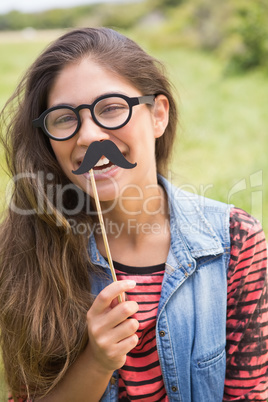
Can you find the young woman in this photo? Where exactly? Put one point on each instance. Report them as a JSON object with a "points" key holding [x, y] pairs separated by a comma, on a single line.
{"points": [[192, 323]]}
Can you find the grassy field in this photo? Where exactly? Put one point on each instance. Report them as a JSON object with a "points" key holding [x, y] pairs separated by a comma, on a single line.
{"points": [[222, 140]]}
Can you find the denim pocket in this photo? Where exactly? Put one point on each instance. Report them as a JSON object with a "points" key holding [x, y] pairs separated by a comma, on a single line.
{"points": [[213, 359], [208, 375]]}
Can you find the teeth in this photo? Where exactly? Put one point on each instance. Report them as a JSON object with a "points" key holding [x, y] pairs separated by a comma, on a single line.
{"points": [[96, 172], [102, 161]]}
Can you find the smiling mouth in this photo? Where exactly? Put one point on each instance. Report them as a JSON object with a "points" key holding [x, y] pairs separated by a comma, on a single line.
{"points": [[98, 150], [102, 166], [102, 162]]}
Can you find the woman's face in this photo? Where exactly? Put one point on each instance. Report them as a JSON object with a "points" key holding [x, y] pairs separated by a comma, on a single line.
{"points": [[82, 83]]}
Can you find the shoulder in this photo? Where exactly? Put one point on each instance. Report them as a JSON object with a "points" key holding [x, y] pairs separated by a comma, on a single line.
{"points": [[241, 219], [190, 202], [244, 228], [248, 243], [202, 223]]}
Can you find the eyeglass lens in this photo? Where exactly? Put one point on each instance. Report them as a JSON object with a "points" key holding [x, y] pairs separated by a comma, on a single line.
{"points": [[109, 112]]}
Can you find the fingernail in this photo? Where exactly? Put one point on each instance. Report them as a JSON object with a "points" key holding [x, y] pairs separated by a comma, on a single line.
{"points": [[131, 284]]}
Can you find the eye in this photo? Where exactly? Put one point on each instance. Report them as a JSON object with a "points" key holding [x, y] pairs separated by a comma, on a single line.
{"points": [[65, 119], [111, 107], [61, 118]]}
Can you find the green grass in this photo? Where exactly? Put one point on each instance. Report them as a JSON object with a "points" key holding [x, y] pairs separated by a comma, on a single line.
{"points": [[222, 140], [18, 51]]}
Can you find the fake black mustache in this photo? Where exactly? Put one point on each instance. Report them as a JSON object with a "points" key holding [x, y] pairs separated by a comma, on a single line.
{"points": [[105, 148]]}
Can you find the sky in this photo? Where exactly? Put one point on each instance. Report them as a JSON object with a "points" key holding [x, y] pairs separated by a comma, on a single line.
{"points": [[40, 5]]}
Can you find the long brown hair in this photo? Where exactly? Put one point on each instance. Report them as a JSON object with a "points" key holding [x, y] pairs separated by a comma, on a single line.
{"points": [[45, 268]]}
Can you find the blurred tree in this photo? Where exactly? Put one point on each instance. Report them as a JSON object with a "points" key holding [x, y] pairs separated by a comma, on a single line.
{"points": [[208, 20], [15, 20], [4, 25], [163, 4], [246, 44], [122, 17], [56, 18]]}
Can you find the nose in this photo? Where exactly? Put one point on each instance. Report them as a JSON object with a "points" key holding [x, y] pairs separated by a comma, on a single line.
{"points": [[89, 131]]}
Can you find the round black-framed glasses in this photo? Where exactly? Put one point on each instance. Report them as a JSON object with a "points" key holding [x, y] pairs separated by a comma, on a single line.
{"points": [[112, 111]]}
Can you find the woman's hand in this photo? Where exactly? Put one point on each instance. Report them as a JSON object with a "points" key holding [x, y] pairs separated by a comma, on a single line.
{"points": [[111, 336], [111, 331]]}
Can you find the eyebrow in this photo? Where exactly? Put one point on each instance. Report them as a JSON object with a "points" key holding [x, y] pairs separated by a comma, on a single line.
{"points": [[99, 96]]}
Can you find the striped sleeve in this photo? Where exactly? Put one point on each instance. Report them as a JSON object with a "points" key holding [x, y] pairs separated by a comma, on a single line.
{"points": [[247, 312]]}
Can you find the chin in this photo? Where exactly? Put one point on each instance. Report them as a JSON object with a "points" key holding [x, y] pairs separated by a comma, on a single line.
{"points": [[106, 196]]}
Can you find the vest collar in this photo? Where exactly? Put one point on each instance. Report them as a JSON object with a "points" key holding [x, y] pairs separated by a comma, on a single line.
{"points": [[188, 224]]}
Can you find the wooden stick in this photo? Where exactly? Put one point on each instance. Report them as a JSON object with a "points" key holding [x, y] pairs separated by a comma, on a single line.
{"points": [[103, 231]]}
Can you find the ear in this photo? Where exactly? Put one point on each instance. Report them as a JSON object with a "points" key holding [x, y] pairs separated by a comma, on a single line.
{"points": [[160, 115]]}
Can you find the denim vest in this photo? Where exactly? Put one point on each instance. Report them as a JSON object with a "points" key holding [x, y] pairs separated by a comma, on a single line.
{"points": [[191, 318]]}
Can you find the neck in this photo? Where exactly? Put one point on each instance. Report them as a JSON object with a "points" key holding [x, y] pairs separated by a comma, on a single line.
{"points": [[137, 228], [136, 213]]}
